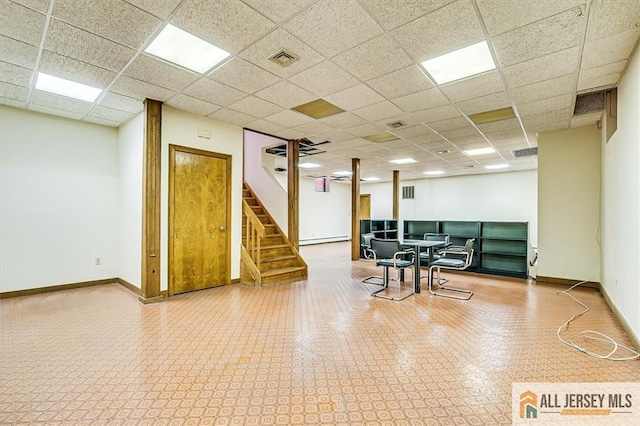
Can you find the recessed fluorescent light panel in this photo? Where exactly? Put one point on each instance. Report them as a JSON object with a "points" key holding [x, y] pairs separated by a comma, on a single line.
{"points": [[68, 88], [186, 50], [403, 161], [308, 165], [456, 65], [433, 173], [496, 166], [371, 179], [480, 151], [343, 173]]}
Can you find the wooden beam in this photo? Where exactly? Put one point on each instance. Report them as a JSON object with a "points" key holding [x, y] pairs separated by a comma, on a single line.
{"points": [[150, 287], [355, 209], [396, 198], [293, 190]]}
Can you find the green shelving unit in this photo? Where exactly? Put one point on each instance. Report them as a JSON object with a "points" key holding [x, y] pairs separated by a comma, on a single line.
{"points": [[381, 228]]}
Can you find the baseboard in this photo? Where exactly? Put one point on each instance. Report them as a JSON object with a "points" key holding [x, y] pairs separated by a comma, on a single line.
{"points": [[625, 325], [566, 282], [235, 281], [126, 284], [60, 287], [310, 241]]}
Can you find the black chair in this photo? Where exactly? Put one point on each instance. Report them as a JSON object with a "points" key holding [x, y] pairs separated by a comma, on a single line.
{"points": [[390, 255], [460, 261], [368, 253]]}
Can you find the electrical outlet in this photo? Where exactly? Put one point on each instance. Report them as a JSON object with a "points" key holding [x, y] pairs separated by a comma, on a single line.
{"points": [[98, 261]]}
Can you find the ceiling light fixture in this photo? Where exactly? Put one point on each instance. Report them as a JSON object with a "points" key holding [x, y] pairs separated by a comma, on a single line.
{"points": [[403, 161], [491, 116], [444, 151], [343, 173], [434, 172], [496, 166], [186, 50], [461, 63], [371, 179], [68, 88], [308, 165], [480, 151], [318, 109]]}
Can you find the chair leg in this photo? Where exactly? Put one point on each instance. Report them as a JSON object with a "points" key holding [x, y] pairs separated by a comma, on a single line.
{"points": [[386, 285], [468, 293]]}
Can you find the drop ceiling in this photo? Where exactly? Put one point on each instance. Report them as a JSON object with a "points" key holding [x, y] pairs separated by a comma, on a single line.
{"points": [[361, 55]]}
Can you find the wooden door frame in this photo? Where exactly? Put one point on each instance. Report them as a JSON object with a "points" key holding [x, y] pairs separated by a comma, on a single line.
{"points": [[172, 151]]}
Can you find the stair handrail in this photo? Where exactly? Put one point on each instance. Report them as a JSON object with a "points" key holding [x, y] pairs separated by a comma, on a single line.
{"points": [[255, 231]]}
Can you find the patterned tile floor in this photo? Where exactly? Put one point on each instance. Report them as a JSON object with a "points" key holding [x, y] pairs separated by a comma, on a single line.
{"points": [[317, 351]]}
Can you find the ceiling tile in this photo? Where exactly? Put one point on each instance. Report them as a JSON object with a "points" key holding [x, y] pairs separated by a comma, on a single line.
{"points": [[425, 99], [447, 29], [110, 114], [448, 124], [496, 137], [334, 136], [542, 89], [160, 73], [392, 13], [354, 97], [431, 139], [546, 67], [610, 49], [401, 83], [366, 130], [288, 118], [243, 75], [474, 87], [501, 16], [608, 17], [139, 89], [86, 47], [549, 104], [355, 142], [264, 126], [540, 38], [313, 128], [230, 25], [39, 5], [74, 70], [101, 121], [232, 117], [17, 53], [605, 75], [373, 58], [15, 75], [343, 120], [378, 111], [485, 103], [161, 9], [586, 119], [56, 102], [278, 10], [530, 122], [436, 114], [511, 124], [549, 126], [286, 94], [333, 26], [12, 91], [267, 46], [324, 79], [460, 133], [290, 134], [21, 23], [113, 20], [405, 118], [255, 107], [55, 111], [123, 103], [193, 105], [412, 132], [214, 92]]}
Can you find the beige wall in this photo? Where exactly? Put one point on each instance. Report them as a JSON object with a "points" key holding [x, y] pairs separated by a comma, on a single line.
{"points": [[569, 204]]}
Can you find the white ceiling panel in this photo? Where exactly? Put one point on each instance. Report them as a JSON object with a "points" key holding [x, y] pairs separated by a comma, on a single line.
{"points": [[530, 122], [55, 111], [605, 75], [334, 136], [101, 121], [259, 53], [509, 125], [193, 105], [449, 123], [485, 103], [544, 89], [392, 13], [15, 75], [39, 5], [343, 120], [313, 128], [110, 114], [12, 91], [255, 107], [366, 130], [113, 20], [549, 104], [401, 83], [411, 132], [290, 134], [17, 53], [264, 126], [214, 92], [355, 142], [436, 114], [421, 100], [333, 26], [550, 126], [278, 10], [624, 14], [21, 23], [553, 34], [462, 132], [374, 58], [243, 75], [431, 139], [56, 102], [288, 118], [546, 67], [74, 70], [123, 103], [133, 88], [449, 28], [70, 41], [286, 94], [232, 117], [474, 87], [378, 111], [230, 25], [324, 79], [586, 119], [354, 97], [610, 49], [162, 9], [160, 73]]}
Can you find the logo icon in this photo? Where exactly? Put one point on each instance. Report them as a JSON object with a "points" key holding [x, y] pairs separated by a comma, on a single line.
{"points": [[528, 405]]}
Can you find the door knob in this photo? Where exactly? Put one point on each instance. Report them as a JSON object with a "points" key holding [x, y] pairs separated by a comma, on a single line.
{"points": [[223, 228]]}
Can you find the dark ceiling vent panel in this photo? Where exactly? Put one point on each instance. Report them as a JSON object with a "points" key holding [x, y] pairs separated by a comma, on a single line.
{"points": [[527, 152], [397, 124], [284, 57], [589, 102]]}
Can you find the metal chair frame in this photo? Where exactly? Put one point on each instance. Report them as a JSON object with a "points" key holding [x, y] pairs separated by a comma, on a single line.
{"points": [[387, 260], [452, 264]]}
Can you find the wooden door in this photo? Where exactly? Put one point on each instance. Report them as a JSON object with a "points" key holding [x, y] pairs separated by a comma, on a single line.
{"points": [[199, 219], [365, 206]]}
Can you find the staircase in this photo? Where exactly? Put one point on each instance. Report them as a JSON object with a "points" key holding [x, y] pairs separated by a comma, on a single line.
{"points": [[267, 255]]}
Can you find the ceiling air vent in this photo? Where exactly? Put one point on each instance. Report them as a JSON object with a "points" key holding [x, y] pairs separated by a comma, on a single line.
{"points": [[397, 124], [527, 152], [284, 57]]}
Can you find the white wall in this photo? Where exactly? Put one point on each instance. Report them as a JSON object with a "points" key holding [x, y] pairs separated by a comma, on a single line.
{"points": [[509, 196], [130, 161], [262, 181], [59, 206], [324, 216], [620, 202], [569, 204], [181, 128]]}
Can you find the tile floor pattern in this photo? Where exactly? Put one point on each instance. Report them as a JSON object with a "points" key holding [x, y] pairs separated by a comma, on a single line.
{"points": [[316, 351]]}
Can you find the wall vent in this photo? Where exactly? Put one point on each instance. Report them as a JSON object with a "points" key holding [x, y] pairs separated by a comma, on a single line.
{"points": [[284, 57], [527, 152], [408, 192]]}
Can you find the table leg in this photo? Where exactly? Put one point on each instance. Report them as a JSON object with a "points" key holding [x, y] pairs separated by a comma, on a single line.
{"points": [[416, 269]]}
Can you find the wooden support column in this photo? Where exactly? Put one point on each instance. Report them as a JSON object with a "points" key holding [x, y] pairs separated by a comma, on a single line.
{"points": [[396, 198], [293, 190], [355, 209], [150, 286]]}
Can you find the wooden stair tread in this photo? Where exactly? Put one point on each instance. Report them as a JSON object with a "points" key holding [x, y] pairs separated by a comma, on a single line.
{"points": [[273, 246], [282, 271], [278, 258]]}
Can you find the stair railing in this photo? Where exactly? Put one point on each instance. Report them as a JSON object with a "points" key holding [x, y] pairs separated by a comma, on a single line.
{"points": [[255, 231]]}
